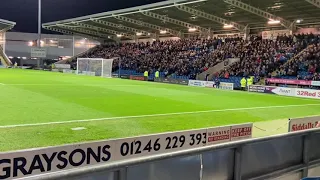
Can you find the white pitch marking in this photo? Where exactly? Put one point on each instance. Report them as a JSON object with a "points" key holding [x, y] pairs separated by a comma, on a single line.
{"points": [[2, 84], [154, 115], [78, 128]]}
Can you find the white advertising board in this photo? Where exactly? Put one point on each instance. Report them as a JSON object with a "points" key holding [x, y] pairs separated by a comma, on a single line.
{"points": [[315, 83], [62, 66], [34, 162], [46, 160], [299, 124], [196, 83], [210, 84], [226, 86], [68, 71], [307, 93], [159, 143], [283, 91], [38, 52]]}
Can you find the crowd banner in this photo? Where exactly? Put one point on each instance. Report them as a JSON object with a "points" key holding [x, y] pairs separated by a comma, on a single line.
{"points": [[272, 35], [289, 81], [226, 86], [284, 91], [211, 84], [20, 164], [172, 81], [299, 124]]}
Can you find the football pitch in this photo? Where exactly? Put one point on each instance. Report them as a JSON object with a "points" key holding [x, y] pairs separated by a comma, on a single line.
{"points": [[39, 109]]}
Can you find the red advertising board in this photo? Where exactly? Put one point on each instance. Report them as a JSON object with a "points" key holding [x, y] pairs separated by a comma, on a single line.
{"points": [[299, 124], [139, 78], [241, 131], [218, 135], [289, 81]]}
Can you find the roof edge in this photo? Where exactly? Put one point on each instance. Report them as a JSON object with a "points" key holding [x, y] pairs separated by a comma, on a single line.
{"points": [[11, 23], [120, 11]]}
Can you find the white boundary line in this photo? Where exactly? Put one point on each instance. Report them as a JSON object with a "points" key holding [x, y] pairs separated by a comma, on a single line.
{"points": [[153, 115]]}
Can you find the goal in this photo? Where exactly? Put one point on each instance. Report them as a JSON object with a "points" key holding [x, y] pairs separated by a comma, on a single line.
{"points": [[94, 67]]}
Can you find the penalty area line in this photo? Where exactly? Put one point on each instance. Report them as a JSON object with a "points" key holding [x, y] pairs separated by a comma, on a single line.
{"points": [[153, 115]]}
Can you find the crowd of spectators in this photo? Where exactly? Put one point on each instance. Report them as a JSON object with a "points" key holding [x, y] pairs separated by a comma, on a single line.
{"points": [[261, 57], [306, 65], [191, 56], [184, 57]]}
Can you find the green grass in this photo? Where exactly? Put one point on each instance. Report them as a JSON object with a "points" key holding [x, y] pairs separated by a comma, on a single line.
{"points": [[31, 97]]}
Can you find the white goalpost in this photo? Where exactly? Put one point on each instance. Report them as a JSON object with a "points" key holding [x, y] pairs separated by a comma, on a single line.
{"points": [[94, 67]]}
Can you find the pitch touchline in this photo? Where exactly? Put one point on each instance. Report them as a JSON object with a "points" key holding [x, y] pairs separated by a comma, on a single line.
{"points": [[154, 115]]}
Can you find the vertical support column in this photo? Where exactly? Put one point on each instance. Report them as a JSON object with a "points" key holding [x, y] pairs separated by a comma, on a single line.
{"points": [[122, 174], [4, 42], [306, 141], [77, 71], [246, 32], [72, 45], [102, 68], [39, 30], [237, 163], [119, 67]]}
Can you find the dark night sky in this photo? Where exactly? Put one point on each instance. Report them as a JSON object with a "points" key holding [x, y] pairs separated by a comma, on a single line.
{"points": [[25, 12]]}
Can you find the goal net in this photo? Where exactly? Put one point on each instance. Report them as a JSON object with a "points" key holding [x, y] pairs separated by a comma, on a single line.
{"points": [[94, 67]]}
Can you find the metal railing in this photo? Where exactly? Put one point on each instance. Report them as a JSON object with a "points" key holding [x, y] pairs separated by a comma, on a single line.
{"points": [[288, 156]]}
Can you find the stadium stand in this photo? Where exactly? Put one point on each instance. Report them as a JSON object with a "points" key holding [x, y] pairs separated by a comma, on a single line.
{"points": [[185, 58], [268, 53], [4, 26]]}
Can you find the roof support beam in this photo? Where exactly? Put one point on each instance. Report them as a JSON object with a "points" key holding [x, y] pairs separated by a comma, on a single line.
{"points": [[130, 29], [259, 12], [6, 29], [174, 21], [148, 25], [314, 2], [58, 30], [69, 32], [85, 31], [108, 31], [210, 17]]}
